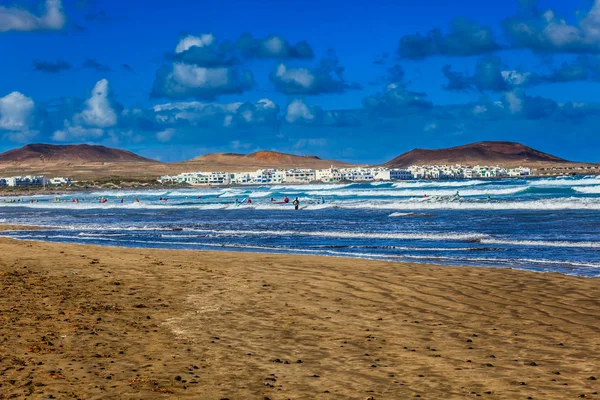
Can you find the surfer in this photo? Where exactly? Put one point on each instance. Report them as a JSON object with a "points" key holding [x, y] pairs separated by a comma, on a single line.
{"points": [[322, 200], [296, 203], [457, 194], [249, 201]]}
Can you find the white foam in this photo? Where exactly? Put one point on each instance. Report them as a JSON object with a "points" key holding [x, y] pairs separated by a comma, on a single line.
{"points": [[542, 243], [588, 190], [420, 193], [440, 183], [353, 235], [565, 181]]}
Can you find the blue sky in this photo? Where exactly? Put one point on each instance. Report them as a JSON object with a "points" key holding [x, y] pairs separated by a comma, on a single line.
{"points": [[352, 80]]}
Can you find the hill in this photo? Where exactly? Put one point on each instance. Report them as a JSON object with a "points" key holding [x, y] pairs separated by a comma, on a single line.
{"points": [[85, 162], [259, 159], [482, 153], [71, 154]]}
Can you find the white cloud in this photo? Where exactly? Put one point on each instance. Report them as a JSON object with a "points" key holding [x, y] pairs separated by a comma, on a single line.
{"points": [[516, 78], [77, 132], [98, 112], [18, 19], [221, 114], [301, 77], [16, 117], [166, 135], [200, 77], [515, 103], [298, 111], [97, 115], [199, 41]]}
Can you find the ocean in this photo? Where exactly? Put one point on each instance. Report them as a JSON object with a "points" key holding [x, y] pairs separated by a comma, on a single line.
{"points": [[539, 224]]}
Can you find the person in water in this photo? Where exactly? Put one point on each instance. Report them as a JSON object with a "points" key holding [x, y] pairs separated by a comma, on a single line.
{"points": [[296, 203], [286, 199], [249, 201]]}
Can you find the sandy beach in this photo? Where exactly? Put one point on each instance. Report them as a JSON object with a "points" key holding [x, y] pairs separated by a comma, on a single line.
{"points": [[94, 322]]}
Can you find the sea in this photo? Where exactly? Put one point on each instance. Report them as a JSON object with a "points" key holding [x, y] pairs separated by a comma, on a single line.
{"points": [[538, 224]]}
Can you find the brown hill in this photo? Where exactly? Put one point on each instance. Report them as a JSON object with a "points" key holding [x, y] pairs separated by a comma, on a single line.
{"points": [[71, 154], [85, 162], [259, 159], [483, 153]]}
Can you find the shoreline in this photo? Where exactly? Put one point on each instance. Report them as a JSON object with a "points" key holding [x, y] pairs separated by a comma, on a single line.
{"points": [[104, 322], [4, 227]]}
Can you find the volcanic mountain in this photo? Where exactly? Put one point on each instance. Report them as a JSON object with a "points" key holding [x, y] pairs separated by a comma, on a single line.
{"points": [[71, 154], [482, 153], [260, 159]]}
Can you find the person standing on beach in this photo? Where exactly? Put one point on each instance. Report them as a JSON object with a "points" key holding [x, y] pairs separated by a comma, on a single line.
{"points": [[296, 203]]}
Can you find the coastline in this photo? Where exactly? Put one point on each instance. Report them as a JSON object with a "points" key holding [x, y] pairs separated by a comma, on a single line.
{"points": [[104, 322], [134, 186]]}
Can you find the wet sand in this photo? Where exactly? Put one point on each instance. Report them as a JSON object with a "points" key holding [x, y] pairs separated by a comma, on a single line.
{"points": [[94, 322]]}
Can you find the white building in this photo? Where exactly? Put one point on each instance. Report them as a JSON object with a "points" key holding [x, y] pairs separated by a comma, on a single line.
{"points": [[332, 175], [328, 175], [393, 175], [60, 181], [28, 180], [300, 175]]}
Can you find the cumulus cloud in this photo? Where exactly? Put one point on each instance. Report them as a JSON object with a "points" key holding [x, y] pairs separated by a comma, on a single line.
{"points": [[201, 68], [465, 38], [204, 51], [17, 113], [327, 77], [99, 112], [546, 32], [19, 19], [273, 46], [50, 66], [492, 75], [182, 81], [217, 115]]}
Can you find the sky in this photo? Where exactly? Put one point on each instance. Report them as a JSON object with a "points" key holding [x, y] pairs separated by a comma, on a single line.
{"points": [[349, 80]]}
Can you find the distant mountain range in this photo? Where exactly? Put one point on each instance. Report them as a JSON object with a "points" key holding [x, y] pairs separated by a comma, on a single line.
{"points": [[79, 153], [91, 161], [482, 153]]}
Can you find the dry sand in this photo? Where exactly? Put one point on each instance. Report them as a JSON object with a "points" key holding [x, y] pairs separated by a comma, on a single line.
{"points": [[109, 323]]}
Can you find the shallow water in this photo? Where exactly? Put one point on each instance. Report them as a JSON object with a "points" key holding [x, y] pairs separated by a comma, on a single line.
{"points": [[548, 225]]}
